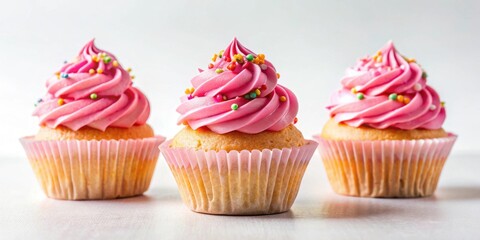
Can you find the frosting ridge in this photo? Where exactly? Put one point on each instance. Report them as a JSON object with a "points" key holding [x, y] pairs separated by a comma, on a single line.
{"points": [[95, 91], [238, 92], [387, 90]]}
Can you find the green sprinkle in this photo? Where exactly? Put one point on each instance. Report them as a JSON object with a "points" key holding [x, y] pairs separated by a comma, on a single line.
{"points": [[250, 57], [93, 96], [393, 96], [424, 75], [234, 107], [247, 96], [107, 59], [360, 96], [253, 95], [219, 70]]}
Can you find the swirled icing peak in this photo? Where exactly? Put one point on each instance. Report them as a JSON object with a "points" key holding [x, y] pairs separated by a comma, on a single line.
{"points": [[387, 90], [238, 92], [93, 90]]}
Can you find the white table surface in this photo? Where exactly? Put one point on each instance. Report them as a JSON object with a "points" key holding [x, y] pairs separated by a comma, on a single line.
{"points": [[453, 213]]}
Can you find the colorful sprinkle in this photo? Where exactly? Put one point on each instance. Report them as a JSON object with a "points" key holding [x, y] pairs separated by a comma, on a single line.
{"points": [[411, 60], [232, 66], [107, 60], [228, 59], [238, 58], [234, 107], [61, 101], [219, 70], [115, 63], [64, 75], [250, 57], [433, 107], [99, 71], [91, 71], [360, 96], [263, 66], [263, 87], [283, 99], [295, 120], [417, 87], [218, 98], [220, 54], [354, 90], [261, 56], [38, 101], [210, 66], [253, 95], [93, 96], [406, 100], [442, 103], [424, 75], [129, 69], [214, 58], [400, 98], [95, 58], [189, 97], [278, 75], [247, 96], [189, 90], [132, 77], [393, 96], [258, 92], [225, 98]]}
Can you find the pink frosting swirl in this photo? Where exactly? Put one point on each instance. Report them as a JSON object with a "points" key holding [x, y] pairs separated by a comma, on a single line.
{"points": [[238, 92], [94, 91], [387, 90]]}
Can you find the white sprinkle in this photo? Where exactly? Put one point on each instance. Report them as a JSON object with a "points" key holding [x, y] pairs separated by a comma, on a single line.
{"points": [[433, 107], [263, 66], [417, 87]]}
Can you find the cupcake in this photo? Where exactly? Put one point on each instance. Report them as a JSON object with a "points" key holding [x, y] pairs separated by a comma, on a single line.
{"points": [[93, 141], [239, 153], [385, 135]]}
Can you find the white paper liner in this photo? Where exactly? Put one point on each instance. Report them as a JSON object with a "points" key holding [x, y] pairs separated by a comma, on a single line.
{"points": [[239, 183], [388, 168], [93, 169]]}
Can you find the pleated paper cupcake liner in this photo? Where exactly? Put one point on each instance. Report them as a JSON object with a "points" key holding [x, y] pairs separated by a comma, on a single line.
{"points": [[388, 168], [93, 169], [239, 183]]}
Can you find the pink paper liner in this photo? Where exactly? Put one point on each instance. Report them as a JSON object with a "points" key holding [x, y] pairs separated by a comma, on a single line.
{"points": [[388, 168], [93, 169], [239, 183]]}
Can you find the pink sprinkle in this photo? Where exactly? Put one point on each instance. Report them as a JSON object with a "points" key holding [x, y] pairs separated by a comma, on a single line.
{"points": [[190, 97], [218, 98]]}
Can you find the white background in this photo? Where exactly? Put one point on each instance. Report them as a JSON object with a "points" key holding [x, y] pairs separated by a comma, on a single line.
{"points": [[311, 43]]}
